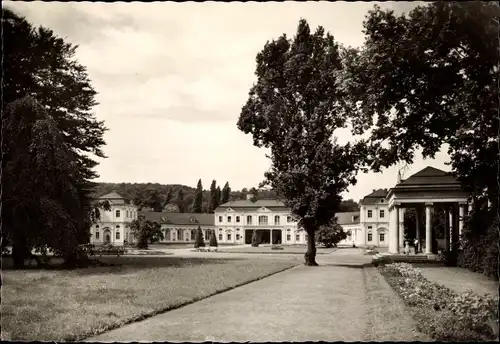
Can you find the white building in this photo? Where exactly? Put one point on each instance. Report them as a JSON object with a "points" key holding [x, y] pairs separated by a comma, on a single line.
{"points": [[114, 226], [235, 222]]}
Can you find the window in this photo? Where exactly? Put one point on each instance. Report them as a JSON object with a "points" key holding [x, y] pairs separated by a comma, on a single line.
{"points": [[97, 226], [97, 235], [263, 220], [288, 237], [167, 235], [220, 229], [229, 219], [220, 218], [179, 234], [370, 236], [382, 214], [370, 227], [289, 219], [249, 219], [126, 214], [117, 213], [237, 219], [306, 237], [370, 213], [237, 229], [228, 236], [288, 230], [117, 235], [277, 220], [207, 234], [193, 234], [297, 237], [118, 226], [237, 236], [381, 237], [220, 237]]}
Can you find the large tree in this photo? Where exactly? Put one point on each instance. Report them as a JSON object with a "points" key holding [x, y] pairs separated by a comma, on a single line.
{"points": [[168, 197], [331, 235], [146, 231], [198, 198], [218, 196], [428, 79], [39, 64], [213, 201], [293, 110]]}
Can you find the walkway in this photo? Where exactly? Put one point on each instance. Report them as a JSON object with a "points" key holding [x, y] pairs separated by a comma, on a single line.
{"points": [[461, 280], [325, 303]]}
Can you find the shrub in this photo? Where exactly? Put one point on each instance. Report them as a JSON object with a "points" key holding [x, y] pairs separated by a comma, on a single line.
{"points": [[198, 240], [255, 240], [276, 247], [439, 311], [213, 240]]}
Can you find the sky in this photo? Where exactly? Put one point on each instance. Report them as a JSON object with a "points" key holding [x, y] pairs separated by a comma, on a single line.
{"points": [[172, 78]]}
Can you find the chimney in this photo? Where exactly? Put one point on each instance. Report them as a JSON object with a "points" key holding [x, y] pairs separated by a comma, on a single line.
{"points": [[399, 176]]}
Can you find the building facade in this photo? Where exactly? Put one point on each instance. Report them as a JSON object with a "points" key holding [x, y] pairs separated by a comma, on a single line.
{"points": [[113, 226], [235, 222]]}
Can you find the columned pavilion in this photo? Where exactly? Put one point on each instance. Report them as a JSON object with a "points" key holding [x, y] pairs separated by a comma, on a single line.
{"points": [[423, 191]]}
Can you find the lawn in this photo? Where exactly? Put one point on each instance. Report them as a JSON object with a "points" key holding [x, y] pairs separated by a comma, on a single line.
{"points": [[286, 249], [57, 305]]}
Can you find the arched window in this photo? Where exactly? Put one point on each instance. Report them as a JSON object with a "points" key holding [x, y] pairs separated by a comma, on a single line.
{"points": [[118, 227]]}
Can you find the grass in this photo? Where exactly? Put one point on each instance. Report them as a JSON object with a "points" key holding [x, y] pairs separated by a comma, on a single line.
{"points": [[50, 305], [286, 250]]}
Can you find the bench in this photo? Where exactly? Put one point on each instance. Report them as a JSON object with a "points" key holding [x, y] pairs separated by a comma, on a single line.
{"points": [[115, 250]]}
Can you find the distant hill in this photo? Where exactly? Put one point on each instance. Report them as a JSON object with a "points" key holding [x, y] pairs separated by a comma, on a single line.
{"points": [[153, 195]]}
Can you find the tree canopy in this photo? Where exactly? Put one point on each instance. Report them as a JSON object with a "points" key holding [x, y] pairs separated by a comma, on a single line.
{"points": [[294, 110], [43, 81]]}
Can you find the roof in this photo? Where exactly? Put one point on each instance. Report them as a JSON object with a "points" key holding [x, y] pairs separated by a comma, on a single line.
{"points": [[272, 204], [112, 195], [430, 176], [348, 218], [374, 197], [165, 217]]}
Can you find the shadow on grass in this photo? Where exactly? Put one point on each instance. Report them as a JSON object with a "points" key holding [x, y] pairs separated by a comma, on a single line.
{"points": [[102, 264]]}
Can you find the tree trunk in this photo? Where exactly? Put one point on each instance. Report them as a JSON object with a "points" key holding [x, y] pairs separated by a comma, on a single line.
{"points": [[19, 252], [310, 256]]}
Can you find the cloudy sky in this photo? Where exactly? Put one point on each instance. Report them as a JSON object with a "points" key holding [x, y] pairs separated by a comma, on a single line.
{"points": [[172, 78]]}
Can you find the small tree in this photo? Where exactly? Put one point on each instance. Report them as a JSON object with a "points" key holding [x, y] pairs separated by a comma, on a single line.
{"points": [[213, 240], [255, 240], [331, 235], [145, 231], [198, 241]]}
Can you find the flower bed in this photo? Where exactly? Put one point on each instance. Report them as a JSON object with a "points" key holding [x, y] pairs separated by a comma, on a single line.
{"points": [[441, 312]]}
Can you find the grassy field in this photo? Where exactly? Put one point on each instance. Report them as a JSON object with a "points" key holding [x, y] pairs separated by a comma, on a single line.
{"points": [[286, 249], [52, 305]]}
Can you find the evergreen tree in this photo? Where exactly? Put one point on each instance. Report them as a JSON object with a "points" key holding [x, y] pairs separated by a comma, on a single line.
{"points": [[218, 196], [213, 202], [213, 239], [198, 241], [198, 198], [226, 193], [180, 200], [168, 198]]}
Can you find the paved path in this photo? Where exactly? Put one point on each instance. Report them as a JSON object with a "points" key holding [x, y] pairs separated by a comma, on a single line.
{"points": [[325, 303], [461, 280]]}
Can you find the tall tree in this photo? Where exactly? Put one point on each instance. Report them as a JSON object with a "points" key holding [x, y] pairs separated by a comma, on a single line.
{"points": [[428, 79], [146, 231], [198, 198], [226, 193], [293, 110], [180, 200], [213, 201], [168, 197], [218, 196], [40, 64]]}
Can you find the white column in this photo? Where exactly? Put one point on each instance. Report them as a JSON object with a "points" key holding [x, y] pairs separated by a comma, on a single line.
{"points": [[394, 229], [428, 232], [447, 236], [461, 209], [271, 236]]}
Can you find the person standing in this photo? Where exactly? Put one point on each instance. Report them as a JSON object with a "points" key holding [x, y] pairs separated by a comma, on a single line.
{"points": [[416, 243], [407, 248]]}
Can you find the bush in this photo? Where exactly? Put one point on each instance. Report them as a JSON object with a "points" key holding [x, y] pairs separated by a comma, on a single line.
{"points": [[255, 240], [439, 311], [213, 240], [276, 247], [198, 241]]}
